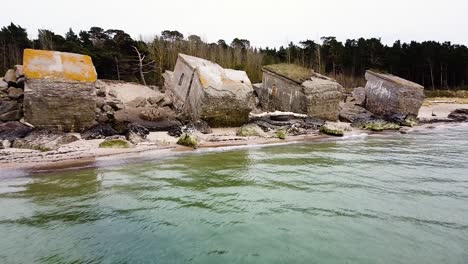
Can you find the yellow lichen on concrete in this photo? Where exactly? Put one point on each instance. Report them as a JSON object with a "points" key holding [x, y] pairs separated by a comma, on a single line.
{"points": [[44, 64]]}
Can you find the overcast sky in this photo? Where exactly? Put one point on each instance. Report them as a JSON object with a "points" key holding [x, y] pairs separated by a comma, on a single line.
{"points": [[263, 22]]}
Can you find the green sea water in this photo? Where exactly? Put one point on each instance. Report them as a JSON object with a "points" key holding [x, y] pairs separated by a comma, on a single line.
{"points": [[383, 199]]}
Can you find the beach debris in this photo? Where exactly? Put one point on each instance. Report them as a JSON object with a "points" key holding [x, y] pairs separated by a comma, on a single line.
{"points": [[387, 95], [203, 90], [292, 88], [59, 92], [460, 114], [188, 140]]}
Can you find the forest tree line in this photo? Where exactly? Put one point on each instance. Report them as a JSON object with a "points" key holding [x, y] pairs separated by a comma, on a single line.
{"points": [[116, 55]]}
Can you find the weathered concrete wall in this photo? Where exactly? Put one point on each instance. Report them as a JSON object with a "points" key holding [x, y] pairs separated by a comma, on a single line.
{"points": [[323, 97], [62, 106], [278, 93], [316, 97], [60, 91], [181, 81], [204, 90], [387, 95]]}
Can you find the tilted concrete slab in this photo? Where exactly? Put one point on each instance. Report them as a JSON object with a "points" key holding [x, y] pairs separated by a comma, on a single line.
{"points": [[388, 95]]}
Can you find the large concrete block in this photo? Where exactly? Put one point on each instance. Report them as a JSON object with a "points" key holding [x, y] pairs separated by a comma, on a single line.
{"points": [[204, 90], [292, 88], [388, 95], [60, 91]]}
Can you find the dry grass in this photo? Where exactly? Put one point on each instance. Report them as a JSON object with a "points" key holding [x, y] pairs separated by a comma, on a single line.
{"points": [[446, 93], [453, 100], [291, 71]]}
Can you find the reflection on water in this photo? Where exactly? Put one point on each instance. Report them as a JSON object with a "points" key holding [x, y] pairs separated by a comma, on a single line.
{"points": [[393, 199]]}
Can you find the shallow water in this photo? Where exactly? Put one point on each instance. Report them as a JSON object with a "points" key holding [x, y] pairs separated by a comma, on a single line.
{"points": [[390, 199]]}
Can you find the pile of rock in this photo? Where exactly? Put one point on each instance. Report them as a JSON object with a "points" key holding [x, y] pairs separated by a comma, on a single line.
{"points": [[291, 124], [12, 94], [387, 102], [121, 103]]}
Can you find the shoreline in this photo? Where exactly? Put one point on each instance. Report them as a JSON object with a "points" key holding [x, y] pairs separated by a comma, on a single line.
{"points": [[87, 154], [94, 158]]}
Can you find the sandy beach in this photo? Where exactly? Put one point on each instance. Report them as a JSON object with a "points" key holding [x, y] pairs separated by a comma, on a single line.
{"points": [[85, 153]]}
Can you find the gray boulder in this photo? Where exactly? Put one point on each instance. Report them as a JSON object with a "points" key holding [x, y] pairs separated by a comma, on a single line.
{"points": [[353, 113], [10, 76], [15, 93], [19, 71], [100, 131], [44, 140], [251, 130], [460, 114], [203, 127], [136, 133], [13, 130], [3, 85], [10, 111], [358, 96], [387, 95]]}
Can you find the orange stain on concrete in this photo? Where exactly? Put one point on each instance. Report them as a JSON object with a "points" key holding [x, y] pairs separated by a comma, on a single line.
{"points": [[44, 64]]}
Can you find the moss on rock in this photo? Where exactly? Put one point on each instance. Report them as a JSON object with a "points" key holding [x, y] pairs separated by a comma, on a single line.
{"points": [[115, 143], [281, 133], [188, 141], [250, 130], [332, 131], [379, 126]]}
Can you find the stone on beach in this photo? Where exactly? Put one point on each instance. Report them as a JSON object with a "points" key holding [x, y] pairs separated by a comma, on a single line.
{"points": [[13, 130], [460, 114], [335, 128], [251, 130]]}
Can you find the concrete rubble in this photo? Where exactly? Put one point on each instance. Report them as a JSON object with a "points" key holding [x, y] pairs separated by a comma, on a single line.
{"points": [[59, 92], [388, 95], [201, 89], [291, 88]]}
